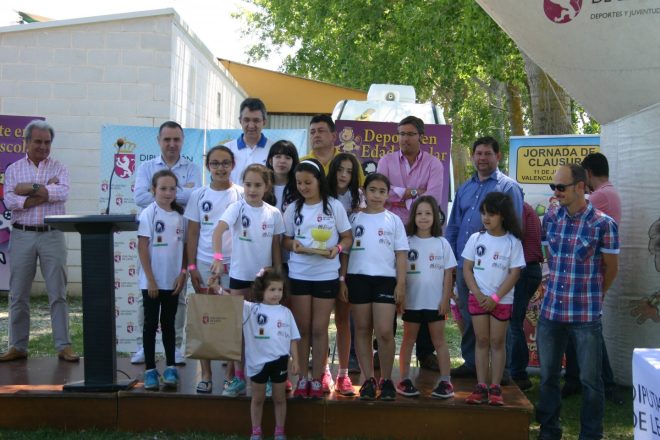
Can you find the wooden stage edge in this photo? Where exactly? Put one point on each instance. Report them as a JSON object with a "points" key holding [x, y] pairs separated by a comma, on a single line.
{"points": [[31, 397]]}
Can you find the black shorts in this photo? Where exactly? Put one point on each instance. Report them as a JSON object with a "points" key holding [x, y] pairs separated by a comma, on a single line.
{"points": [[239, 284], [420, 316], [277, 371], [367, 289], [318, 289]]}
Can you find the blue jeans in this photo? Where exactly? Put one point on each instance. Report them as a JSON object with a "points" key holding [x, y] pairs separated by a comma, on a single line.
{"points": [[552, 337], [517, 353], [468, 339]]}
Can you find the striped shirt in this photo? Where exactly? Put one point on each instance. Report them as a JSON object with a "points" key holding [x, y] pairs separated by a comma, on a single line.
{"points": [[575, 246], [25, 171]]}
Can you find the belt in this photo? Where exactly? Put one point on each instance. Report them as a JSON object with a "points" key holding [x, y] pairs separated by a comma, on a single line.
{"points": [[44, 228]]}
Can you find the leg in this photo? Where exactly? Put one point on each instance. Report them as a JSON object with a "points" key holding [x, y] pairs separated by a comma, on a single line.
{"points": [[169, 305], [363, 334], [437, 333], [572, 374], [498, 349], [205, 367], [321, 310], [52, 260], [382, 317], [279, 402], [151, 312], [342, 318], [588, 346], [301, 307], [482, 348], [468, 338], [257, 403], [23, 267], [410, 330], [180, 319], [517, 351], [424, 345], [551, 341]]}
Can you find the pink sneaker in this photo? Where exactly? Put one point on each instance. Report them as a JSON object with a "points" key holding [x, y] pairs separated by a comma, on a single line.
{"points": [[327, 381], [302, 389], [315, 389], [344, 386]]}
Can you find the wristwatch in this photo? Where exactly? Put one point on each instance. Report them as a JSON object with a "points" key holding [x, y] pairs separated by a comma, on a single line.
{"points": [[35, 187], [413, 193]]}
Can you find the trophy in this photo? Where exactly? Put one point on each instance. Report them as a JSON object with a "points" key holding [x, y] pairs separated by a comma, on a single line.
{"points": [[319, 246]]}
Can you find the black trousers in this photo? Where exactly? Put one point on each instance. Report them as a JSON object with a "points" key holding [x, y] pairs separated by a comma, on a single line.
{"points": [[165, 306]]}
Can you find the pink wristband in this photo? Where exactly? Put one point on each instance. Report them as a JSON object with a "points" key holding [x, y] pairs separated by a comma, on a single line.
{"points": [[495, 298], [184, 271], [192, 267], [217, 256], [339, 248]]}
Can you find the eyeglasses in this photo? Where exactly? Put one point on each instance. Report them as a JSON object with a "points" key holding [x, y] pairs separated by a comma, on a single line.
{"points": [[561, 187], [223, 164], [408, 134]]}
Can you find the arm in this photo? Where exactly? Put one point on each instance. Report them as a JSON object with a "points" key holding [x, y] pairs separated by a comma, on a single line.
{"points": [[143, 195], [436, 181], [397, 193], [343, 270], [57, 187], [468, 276], [453, 226], [294, 356], [217, 267], [610, 269], [508, 284], [191, 251], [145, 261], [345, 240], [401, 268], [180, 280], [276, 251], [194, 181], [447, 292]]}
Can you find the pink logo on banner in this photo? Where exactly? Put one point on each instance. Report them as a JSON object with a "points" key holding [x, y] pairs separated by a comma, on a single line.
{"points": [[124, 165], [562, 11]]}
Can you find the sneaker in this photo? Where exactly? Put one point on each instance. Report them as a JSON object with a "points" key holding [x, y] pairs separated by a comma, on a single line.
{"points": [[326, 381], [368, 389], [478, 396], [138, 357], [406, 388], [302, 389], [279, 437], [444, 390], [151, 380], [171, 377], [256, 437], [235, 388], [495, 396], [344, 386], [315, 389], [289, 386], [269, 388], [179, 358], [387, 390]]}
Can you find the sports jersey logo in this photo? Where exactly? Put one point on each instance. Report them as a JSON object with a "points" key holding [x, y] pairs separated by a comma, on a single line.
{"points": [[245, 221], [207, 206], [413, 255], [262, 319], [481, 250], [562, 11], [298, 219], [359, 231], [159, 226]]}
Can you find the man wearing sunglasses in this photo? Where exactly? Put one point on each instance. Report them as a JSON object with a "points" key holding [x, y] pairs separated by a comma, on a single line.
{"points": [[582, 247], [465, 220]]}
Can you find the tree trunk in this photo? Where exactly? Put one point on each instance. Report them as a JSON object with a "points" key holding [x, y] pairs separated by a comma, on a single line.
{"points": [[551, 105], [515, 110]]}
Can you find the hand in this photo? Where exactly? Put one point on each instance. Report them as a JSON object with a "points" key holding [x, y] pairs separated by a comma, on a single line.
{"points": [[642, 309], [334, 251], [179, 283], [297, 247], [196, 280], [152, 289], [400, 293], [217, 268], [214, 286], [53, 180], [294, 367], [489, 304], [343, 292], [444, 308]]}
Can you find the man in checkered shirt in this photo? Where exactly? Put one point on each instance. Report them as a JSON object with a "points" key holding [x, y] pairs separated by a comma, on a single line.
{"points": [[582, 247], [37, 186]]}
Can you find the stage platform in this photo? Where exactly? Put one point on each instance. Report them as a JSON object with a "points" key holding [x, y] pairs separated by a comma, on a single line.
{"points": [[31, 397]]}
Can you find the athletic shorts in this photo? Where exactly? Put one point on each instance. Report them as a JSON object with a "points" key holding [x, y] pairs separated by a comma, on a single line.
{"points": [[419, 316], [367, 289], [501, 312], [277, 371], [239, 284], [318, 289], [456, 313]]}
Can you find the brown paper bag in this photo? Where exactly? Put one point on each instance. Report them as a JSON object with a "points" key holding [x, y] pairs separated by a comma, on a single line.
{"points": [[214, 327]]}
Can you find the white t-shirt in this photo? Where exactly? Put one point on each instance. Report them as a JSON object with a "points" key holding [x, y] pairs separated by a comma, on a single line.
{"points": [[166, 231], [428, 258], [205, 207], [268, 331], [299, 227], [247, 156], [252, 231], [376, 237], [346, 200], [493, 257]]}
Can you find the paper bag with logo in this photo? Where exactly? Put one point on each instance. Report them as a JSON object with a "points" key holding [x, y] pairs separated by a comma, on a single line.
{"points": [[214, 327]]}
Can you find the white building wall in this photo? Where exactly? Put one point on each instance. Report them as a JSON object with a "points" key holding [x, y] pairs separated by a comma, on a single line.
{"points": [[124, 69]]}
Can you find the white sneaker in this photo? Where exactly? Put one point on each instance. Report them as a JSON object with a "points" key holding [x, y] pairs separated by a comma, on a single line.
{"points": [[138, 356], [179, 358]]}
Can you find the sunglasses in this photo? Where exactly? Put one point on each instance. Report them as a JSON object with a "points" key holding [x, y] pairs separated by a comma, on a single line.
{"points": [[561, 187]]}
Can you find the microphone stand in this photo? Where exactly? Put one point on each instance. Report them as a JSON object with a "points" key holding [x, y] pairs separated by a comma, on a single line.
{"points": [[119, 143]]}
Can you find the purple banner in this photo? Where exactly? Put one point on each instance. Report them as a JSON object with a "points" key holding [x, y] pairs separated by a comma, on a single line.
{"points": [[12, 148], [370, 141]]}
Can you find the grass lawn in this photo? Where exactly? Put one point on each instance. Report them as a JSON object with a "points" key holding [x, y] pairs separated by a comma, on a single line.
{"points": [[618, 419]]}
